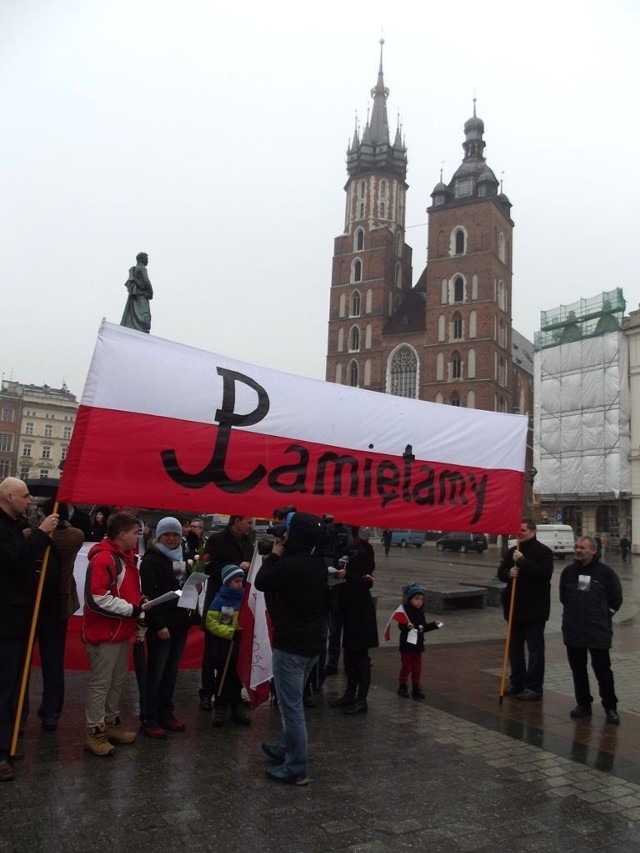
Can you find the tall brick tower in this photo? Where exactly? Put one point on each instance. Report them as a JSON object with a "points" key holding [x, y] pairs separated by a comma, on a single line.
{"points": [[448, 339], [467, 348], [371, 262]]}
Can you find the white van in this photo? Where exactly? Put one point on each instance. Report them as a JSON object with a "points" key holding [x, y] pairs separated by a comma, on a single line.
{"points": [[559, 537]]}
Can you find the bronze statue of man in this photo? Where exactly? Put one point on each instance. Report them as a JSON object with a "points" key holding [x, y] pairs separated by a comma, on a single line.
{"points": [[137, 314]]}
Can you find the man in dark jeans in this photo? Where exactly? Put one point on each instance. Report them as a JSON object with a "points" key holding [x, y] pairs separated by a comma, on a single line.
{"points": [[232, 546], [529, 566]]}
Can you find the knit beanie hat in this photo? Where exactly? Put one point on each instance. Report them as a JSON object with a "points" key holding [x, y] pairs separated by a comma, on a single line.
{"points": [[168, 525], [230, 572], [410, 590]]}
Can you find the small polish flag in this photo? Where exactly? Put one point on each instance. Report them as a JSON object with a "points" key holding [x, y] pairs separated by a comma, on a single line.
{"points": [[254, 656], [398, 616]]}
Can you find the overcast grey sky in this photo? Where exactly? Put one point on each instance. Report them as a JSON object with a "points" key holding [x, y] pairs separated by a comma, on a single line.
{"points": [[213, 137]]}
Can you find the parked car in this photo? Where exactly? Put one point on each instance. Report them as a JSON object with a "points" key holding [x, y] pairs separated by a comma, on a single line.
{"points": [[462, 542], [403, 538]]}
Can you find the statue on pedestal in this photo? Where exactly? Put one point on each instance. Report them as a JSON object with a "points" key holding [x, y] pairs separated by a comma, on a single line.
{"points": [[137, 314]]}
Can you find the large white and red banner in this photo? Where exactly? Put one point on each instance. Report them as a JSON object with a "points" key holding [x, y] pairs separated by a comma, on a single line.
{"points": [[168, 426]]}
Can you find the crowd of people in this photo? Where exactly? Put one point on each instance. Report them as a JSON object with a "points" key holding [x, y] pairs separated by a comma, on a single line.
{"points": [[316, 579]]}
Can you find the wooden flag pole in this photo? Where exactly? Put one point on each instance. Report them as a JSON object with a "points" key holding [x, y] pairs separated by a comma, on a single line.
{"points": [[507, 641], [26, 668]]}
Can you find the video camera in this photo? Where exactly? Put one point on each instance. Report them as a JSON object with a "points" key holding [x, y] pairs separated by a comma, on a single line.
{"points": [[265, 546]]}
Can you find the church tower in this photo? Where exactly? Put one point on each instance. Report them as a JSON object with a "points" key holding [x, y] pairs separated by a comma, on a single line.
{"points": [[371, 261], [468, 347]]}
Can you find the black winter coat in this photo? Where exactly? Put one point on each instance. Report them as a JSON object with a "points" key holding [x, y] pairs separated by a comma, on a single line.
{"points": [[533, 587], [18, 575], [294, 587], [156, 578], [586, 618], [360, 630]]}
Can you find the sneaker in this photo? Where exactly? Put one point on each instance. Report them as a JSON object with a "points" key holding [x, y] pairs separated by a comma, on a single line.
{"points": [[157, 732], [612, 717], [418, 693], [6, 771], [529, 695], [239, 716], [97, 742], [580, 711], [273, 750], [174, 726], [117, 733], [279, 774]]}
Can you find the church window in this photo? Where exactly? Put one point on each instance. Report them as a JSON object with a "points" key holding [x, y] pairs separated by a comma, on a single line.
{"points": [[354, 339], [456, 326], [367, 337], [455, 399], [458, 242], [501, 248], [353, 374], [439, 397], [367, 372], [368, 302], [441, 327], [359, 240], [471, 400], [356, 270], [338, 374], [444, 294], [340, 344], [399, 244], [355, 304], [474, 286], [456, 365], [383, 189], [458, 289], [342, 305], [403, 372], [398, 276], [440, 244], [501, 296], [473, 324], [471, 364], [439, 367]]}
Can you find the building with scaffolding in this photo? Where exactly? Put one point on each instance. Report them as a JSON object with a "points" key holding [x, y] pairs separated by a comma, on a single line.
{"points": [[582, 417]]}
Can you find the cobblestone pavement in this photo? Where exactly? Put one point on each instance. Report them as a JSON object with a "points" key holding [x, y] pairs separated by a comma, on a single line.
{"points": [[459, 772]]}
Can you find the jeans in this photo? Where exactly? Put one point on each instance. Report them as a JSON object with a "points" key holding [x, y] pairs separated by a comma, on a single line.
{"points": [[601, 664], [527, 676], [52, 640], [290, 673], [163, 662]]}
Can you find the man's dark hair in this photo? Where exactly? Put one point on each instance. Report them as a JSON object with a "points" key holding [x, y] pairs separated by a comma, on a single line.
{"points": [[234, 518], [120, 522], [529, 523]]}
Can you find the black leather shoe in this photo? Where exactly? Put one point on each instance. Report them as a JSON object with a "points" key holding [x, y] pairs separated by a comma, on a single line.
{"points": [[358, 707], [580, 711], [205, 704], [342, 701], [612, 717]]}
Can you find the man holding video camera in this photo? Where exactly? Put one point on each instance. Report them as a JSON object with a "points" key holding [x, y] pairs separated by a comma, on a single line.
{"points": [[294, 579]]}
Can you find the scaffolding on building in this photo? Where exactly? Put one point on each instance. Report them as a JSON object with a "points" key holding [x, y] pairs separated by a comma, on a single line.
{"points": [[582, 403]]}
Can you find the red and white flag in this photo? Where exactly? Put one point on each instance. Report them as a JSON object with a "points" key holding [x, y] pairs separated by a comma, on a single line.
{"points": [[398, 616], [254, 656], [249, 439]]}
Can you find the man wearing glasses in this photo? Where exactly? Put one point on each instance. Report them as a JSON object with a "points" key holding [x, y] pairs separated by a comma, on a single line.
{"points": [[17, 592]]}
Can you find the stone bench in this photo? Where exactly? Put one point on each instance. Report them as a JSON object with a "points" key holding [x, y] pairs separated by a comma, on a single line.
{"points": [[493, 589], [439, 596]]}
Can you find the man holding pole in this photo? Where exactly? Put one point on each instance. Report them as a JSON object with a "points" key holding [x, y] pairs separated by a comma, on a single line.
{"points": [[527, 570], [17, 593]]}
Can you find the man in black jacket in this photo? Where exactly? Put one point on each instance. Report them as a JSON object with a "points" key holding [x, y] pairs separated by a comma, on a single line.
{"points": [[529, 566], [294, 579], [232, 546], [590, 593], [17, 592]]}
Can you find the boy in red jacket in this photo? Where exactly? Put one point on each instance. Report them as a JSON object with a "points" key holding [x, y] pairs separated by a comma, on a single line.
{"points": [[112, 605]]}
